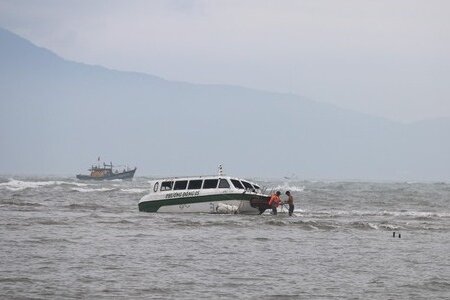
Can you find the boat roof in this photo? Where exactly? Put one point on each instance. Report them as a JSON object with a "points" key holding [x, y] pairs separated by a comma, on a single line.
{"points": [[216, 176]]}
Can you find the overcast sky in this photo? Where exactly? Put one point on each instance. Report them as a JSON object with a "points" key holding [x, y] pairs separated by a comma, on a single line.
{"points": [[387, 58]]}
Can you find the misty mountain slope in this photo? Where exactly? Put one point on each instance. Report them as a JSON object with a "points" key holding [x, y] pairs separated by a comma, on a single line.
{"points": [[57, 116]]}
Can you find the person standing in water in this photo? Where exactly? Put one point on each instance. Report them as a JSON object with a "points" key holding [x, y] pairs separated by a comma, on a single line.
{"points": [[290, 201], [274, 202]]}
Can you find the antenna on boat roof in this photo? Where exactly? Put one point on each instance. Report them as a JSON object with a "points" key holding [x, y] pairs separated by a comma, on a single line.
{"points": [[220, 170]]}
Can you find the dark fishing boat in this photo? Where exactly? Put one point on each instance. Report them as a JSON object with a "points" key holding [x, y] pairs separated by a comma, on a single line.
{"points": [[107, 172]]}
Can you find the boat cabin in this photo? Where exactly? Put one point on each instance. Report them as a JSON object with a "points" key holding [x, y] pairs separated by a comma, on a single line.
{"points": [[204, 183], [97, 171]]}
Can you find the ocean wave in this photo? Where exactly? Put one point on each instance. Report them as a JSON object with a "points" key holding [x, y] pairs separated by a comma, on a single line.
{"points": [[320, 225], [19, 185], [46, 241], [311, 224], [364, 225], [417, 214], [18, 203], [74, 183], [365, 213], [186, 223], [85, 206], [51, 222], [116, 222], [389, 226], [339, 213], [261, 239], [134, 190], [16, 280], [304, 224], [90, 190], [437, 284], [286, 187]]}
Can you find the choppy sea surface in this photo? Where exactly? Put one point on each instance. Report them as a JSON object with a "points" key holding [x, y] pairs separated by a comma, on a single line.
{"points": [[61, 238]]}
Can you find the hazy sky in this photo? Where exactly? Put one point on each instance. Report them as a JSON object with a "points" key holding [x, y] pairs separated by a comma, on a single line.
{"points": [[388, 58]]}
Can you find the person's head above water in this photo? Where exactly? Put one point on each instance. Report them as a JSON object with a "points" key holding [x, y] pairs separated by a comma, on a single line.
{"points": [[278, 193], [288, 193]]}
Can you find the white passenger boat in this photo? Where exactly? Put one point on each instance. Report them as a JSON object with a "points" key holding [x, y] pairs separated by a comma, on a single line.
{"points": [[205, 194]]}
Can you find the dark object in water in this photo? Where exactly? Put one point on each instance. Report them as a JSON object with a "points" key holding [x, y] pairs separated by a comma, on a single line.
{"points": [[262, 203], [107, 173]]}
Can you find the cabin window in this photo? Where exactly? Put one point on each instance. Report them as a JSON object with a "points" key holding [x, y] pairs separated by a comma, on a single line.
{"points": [[247, 185], [224, 184], [166, 185], [180, 185], [210, 183], [195, 184], [257, 187], [237, 184]]}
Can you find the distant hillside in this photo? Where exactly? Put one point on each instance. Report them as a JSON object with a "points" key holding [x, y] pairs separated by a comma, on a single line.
{"points": [[57, 116]]}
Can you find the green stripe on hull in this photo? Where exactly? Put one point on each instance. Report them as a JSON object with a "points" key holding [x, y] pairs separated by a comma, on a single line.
{"points": [[153, 206]]}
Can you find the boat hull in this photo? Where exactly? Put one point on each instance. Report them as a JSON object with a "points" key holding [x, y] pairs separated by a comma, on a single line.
{"points": [[127, 175], [242, 203]]}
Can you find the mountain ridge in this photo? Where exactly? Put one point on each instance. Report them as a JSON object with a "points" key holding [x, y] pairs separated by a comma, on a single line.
{"points": [[65, 109]]}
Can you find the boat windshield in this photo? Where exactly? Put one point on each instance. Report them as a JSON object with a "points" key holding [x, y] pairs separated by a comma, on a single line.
{"points": [[247, 185], [224, 184], [166, 185], [237, 184]]}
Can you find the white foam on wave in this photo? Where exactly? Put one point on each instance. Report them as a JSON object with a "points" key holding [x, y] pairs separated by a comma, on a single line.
{"points": [[89, 190], [367, 213], [19, 185], [287, 187], [417, 214], [389, 226], [371, 225], [75, 183]]}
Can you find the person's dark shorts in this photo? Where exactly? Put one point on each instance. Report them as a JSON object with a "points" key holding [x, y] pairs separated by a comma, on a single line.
{"points": [[291, 209], [274, 209]]}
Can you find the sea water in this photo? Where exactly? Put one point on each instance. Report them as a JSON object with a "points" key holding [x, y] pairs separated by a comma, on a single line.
{"points": [[65, 239]]}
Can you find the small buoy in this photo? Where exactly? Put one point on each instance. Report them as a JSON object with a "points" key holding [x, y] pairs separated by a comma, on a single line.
{"points": [[399, 235], [393, 234]]}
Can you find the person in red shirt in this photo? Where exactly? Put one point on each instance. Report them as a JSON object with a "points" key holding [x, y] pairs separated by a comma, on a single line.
{"points": [[275, 201]]}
